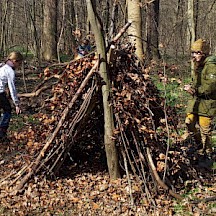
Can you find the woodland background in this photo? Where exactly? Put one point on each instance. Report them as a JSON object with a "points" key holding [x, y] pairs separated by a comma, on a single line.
{"points": [[35, 26], [155, 46]]}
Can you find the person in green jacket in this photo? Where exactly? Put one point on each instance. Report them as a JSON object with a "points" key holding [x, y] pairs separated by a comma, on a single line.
{"points": [[201, 107]]}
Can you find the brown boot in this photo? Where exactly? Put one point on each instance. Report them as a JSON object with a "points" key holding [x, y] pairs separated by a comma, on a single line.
{"points": [[209, 150], [201, 151]]}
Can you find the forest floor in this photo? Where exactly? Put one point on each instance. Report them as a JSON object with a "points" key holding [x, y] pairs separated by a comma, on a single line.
{"points": [[83, 186]]}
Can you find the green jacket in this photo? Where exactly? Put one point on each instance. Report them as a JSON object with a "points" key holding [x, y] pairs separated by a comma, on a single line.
{"points": [[204, 81]]}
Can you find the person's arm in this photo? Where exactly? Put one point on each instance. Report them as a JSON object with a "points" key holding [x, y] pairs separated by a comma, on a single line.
{"points": [[12, 88], [208, 86]]}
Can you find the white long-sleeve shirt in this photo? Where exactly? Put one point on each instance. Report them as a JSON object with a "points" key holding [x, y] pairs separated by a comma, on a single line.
{"points": [[7, 77]]}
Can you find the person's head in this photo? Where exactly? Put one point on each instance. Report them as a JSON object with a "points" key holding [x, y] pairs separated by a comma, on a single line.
{"points": [[85, 42], [200, 50], [16, 58]]}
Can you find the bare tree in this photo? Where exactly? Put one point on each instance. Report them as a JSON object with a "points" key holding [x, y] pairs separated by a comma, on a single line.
{"points": [[152, 29], [111, 151], [191, 28], [50, 30], [191, 23], [114, 14], [135, 30], [4, 8], [70, 26], [31, 8]]}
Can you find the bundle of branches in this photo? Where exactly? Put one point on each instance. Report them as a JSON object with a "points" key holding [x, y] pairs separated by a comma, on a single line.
{"points": [[65, 106], [140, 114], [145, 129]]}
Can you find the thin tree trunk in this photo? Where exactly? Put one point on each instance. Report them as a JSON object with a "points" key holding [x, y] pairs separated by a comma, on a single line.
{"points": [[191, 28], [196, 16], [69, 38], [134, 31], [3, 27], [111, 150], [113, 19], [61, 32], [152, 29], [50, 30], [191, 23]]}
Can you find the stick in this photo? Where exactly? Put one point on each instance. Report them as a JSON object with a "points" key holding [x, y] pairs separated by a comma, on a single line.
{"points": [[158, 179], [121, 32], [23, 75], [209, 199], [36, 93], [128, 178]]}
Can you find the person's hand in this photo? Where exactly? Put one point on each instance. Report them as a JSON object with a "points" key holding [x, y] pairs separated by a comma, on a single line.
{"points": [[189, 89], [18, 110]]}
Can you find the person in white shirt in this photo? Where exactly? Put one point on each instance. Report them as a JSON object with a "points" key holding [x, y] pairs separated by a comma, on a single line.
{"points": [[7, 78]]}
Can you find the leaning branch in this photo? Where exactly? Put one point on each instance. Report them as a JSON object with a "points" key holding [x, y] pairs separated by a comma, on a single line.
{"points": [[121, 32], [158, 179]]}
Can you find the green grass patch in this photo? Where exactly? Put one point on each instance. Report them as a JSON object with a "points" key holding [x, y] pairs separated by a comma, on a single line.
{"points": [[173, 93], [65, 58], [214, 166], [182, 210], [184, 207], [173, 90]]}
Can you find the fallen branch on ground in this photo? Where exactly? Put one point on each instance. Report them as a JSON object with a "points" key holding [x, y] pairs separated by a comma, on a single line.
{"points": [[158, 179]]}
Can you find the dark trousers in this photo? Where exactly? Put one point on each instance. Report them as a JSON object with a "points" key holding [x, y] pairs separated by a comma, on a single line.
{"points": [[6, 115]]}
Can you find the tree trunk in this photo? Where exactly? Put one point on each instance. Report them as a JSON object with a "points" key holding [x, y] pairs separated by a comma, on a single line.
{"points": [[196, 16], [31, 19], [179, 29], [3, 27], [69, 38], [153, 30], [50, 30], [60, 40], [111, 150], [135, 30], [114, 14], [191, 24], [191, 29]]}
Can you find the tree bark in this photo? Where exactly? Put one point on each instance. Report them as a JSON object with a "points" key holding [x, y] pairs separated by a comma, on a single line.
{"points": [[135, 30], [3, 26], [153, 30], [191, 23], [114, 13], [69, 38], [50, 30], [191, 28], [31, 12], [111, 150]]}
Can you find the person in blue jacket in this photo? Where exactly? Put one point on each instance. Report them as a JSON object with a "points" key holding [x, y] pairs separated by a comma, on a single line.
{"points": [[84, 48]]}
